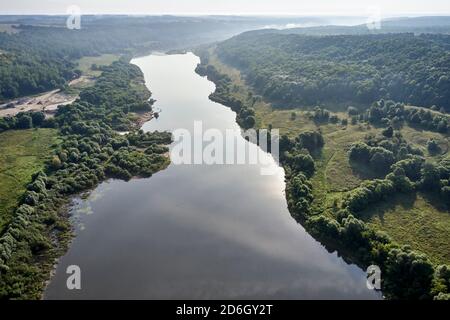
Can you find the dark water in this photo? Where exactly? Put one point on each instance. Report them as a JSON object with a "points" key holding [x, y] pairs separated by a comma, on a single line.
{"points": [[197, 231]]}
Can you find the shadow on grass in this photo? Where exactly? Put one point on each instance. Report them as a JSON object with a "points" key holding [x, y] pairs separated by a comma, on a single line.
{"points": [[364, 172], [404, 200], [436, 201]]}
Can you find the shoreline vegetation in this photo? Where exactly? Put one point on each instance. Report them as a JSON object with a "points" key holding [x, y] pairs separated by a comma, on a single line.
{"points": [[342, 166], [310, 140], [89, 150]]}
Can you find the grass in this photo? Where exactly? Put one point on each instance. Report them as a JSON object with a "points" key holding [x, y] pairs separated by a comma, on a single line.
{"points": [[414, 221], [407, 219], [22, 153], [88, 75], [419, 138], [85, 63]]}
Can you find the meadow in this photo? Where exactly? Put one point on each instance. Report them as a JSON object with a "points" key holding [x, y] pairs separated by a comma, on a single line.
{"points": [[417, 220], [22, 153]]}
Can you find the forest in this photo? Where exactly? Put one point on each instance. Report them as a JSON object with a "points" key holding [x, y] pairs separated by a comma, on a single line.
{"points": [[341, 166], [40, 55], [298, 70], [89, 151]]}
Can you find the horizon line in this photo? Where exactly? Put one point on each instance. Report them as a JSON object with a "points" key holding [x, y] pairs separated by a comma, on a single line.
{"points": [[243, 14]]}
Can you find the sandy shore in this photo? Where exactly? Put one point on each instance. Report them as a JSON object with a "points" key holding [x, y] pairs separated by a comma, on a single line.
{"points": [[46, 102]]}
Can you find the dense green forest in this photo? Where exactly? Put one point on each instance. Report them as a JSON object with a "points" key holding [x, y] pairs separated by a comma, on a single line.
{"points": [[342, 167], [298, 70], [39, 58], [40, 54], [88, 151]]}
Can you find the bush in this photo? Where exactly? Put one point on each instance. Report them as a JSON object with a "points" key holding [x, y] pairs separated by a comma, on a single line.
{"points": [[311, 140], [359, 152], [303, 163], [408, 275], [369, 192], [323, 226], [299, 195], [433, 147]]}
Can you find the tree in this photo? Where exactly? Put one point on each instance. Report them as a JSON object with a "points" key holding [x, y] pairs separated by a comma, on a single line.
{"points": [[311, 140], [299, 192], [55, 163], [408, 275], [441, 282], [445, 193], [249, 122], [400, 180], [31, 198], [411, 166], [24, 122], [381, 159], [433, 147], [359, 152], [352, 229], [388, 132], [303, 163], [38, 118], [430, 177], [285, 143]]}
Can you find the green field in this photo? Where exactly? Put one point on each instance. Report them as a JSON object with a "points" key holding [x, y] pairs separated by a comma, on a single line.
{"points": [[415, 221], [407, 219], [85, 63], [22, 153]]}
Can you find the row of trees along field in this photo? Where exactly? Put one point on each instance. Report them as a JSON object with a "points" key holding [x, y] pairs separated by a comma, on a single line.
{"points": [[298, 70]]}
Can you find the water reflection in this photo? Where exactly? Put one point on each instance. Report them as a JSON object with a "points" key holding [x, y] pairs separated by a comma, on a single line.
{"points": [[197, 231]]}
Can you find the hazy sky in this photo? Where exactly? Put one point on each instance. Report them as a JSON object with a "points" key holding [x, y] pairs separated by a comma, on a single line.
{"points": [[294, 7]]}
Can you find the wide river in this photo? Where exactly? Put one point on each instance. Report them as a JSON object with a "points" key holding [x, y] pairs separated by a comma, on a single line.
{"points": [[197, 231]]}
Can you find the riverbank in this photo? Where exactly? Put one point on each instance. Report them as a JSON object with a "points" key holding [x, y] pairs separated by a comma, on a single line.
{"points": [[321, 214], [78, 163], [198, 231]]}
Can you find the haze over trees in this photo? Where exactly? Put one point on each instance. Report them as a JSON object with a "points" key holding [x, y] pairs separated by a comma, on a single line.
{"points": [[297, 70]]}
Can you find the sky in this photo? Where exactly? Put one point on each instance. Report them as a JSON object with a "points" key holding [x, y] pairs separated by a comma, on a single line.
{"points": [[247, 7]]}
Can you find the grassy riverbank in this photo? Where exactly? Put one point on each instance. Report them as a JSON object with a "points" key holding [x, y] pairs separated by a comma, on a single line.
{"points": [[414, 219], [89, 151], [22, 153]]}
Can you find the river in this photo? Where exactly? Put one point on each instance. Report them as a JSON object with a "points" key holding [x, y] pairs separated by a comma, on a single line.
{"points": [[197, 231]]}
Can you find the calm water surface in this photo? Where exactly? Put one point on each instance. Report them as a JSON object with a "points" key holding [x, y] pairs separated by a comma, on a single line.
{"points": [[197, 231]]}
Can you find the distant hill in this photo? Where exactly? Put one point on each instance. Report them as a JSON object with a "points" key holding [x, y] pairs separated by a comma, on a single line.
{"points": [[436, 24], [303, 70]]}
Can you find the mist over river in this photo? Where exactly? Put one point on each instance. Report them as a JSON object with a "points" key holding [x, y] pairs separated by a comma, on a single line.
{"points": [[197, 231]]}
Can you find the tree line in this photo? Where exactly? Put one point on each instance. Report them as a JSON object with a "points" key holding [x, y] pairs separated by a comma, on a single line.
{"points": [[299, 70], [407, 274]]}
